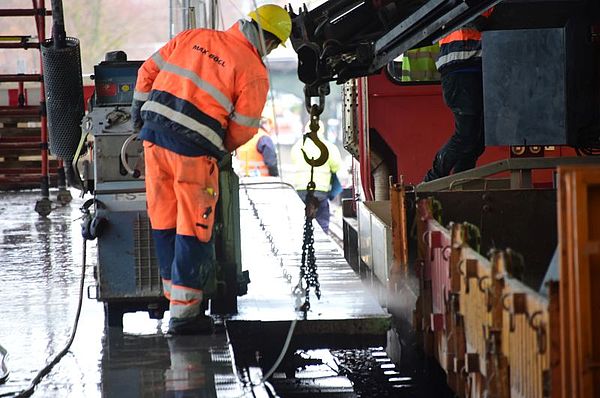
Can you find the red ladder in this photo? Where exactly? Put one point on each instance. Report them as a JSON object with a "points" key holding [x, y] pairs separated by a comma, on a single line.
{"points": [[19, 145]]}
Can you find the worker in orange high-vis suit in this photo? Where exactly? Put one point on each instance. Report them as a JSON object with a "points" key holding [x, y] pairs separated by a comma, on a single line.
{"points": [[198, 97], [459, 64], [258, 156]]}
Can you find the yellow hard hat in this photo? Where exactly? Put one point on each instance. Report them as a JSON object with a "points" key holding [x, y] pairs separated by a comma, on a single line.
{"points": [[273, 19]]}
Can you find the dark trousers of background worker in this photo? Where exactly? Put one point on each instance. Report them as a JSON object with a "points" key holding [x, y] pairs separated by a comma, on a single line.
{"points": [[323, 210], [463, 94]]}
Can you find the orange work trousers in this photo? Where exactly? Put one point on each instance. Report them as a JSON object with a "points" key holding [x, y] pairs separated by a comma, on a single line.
{"points": [[182, 193]]}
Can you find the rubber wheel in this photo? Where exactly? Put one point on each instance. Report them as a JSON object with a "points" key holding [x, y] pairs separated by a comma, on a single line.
{"points": [[156, 314]]}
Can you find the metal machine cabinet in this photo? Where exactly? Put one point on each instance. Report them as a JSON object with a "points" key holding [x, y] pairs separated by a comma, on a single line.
{"points": [[375, 226], [127, 272], [127, 264], [365, 250], [537, 86]]}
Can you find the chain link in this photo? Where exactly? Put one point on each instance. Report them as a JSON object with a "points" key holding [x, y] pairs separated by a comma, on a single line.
{"points": [[308, 265]]}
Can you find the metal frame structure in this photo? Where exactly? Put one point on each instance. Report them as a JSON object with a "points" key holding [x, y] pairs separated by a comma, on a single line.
{"points": [[24, 175], [330, 47], [519, 168], [193, 14]]}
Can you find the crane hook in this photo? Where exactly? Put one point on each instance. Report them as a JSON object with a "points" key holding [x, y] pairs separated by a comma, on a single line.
{"points": [[315, 111]]}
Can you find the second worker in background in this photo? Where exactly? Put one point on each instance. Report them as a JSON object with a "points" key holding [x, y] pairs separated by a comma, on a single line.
{"points": [[258, 157], [459, 64], [323, 176]]}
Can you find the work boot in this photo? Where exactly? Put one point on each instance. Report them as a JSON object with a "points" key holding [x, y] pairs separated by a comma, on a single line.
{"points": [[200, 324]]}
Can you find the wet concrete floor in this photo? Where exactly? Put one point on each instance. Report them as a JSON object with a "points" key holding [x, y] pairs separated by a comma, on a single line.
{"points": [[40, 271], [39, 280]]}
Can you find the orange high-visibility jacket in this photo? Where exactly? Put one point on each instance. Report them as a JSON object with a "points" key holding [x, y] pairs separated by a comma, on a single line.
{"points": [[207, 85], [461, 47], [252, 162]]}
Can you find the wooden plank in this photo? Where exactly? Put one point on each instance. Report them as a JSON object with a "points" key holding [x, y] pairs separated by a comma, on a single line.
{"points": [[21, 111], [399, 267], [506, 326], [587, 213], [565, 244], [16, 119], [579, 237], [17, 152], [13, 164], [19, 140], [19, 145], [19, 132], [581, 274], [593, 248], [24, 182], [23, 171], [554, 322]]}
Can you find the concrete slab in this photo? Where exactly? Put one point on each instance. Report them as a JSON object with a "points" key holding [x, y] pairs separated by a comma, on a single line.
{"points": [[348, 315]]}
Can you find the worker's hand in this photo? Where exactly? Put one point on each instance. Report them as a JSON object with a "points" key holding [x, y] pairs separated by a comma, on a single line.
{"points": [[225, 163], [312, 206], [136, 115]]}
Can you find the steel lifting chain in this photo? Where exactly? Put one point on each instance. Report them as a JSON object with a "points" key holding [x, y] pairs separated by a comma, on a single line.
{"points": [[308, 266]]}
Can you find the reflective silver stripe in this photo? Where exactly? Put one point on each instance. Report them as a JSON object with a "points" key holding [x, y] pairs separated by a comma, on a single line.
{"points": [[245, 120], [421, 54], [185, 302], [166, 284], [186, 121], [419, 75], [457, 56], [197, 80], [140, 96], [184, 311], [182, 293], [158, 59]]}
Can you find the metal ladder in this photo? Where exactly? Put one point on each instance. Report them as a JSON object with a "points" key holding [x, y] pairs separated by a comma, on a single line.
{"points": [[26, 163]]}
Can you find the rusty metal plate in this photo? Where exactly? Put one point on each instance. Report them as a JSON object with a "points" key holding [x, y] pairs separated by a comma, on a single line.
{"points": [[531, 232]]}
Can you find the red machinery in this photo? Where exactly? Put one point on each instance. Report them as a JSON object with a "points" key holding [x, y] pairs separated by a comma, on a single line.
{"points": [[410, 117], [478, 262]]}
